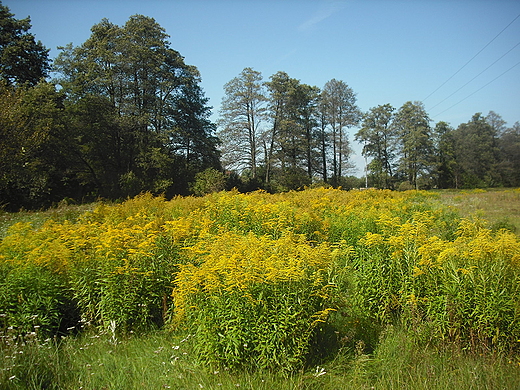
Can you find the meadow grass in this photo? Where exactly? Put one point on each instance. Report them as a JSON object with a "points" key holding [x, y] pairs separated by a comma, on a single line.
{"points": [[37, 218], [501, 207], [161, 360]]}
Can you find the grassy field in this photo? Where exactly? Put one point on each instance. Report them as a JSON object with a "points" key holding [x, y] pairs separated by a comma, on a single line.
{"points": [[385, 331], [500, 207], [159, 360]]}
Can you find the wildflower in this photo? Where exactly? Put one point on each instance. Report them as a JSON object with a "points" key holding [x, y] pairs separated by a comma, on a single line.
{"points": [[417, 272], [319, 371]]}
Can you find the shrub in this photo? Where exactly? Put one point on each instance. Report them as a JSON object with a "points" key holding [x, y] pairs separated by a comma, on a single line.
{"points": [[208, 181], [254, 301]]}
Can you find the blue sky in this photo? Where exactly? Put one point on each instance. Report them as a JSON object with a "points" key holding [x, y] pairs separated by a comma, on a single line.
{"points": [[386, 51]]}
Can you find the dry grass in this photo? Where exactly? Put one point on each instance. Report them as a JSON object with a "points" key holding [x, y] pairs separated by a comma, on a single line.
{"points": [[501, 207]]}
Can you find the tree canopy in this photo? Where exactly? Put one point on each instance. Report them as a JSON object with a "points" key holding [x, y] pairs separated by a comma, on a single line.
{"points": [[22, 58]]}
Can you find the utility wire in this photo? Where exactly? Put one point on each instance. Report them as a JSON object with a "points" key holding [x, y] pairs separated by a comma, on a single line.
{"points": [[472, 58], [471, 94], [503, 55]]}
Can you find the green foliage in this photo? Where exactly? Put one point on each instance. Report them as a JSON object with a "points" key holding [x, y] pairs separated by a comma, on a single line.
{"points": [[254, 301], [379, 140], [162, 360], [208, 181], [35, 298], [415, 141], [34, 147], [509, 146], [476, 153], [22, 58], [242, 110], [153, 133]]}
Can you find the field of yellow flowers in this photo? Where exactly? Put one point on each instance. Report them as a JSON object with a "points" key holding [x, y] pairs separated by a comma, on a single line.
{"points": [[268, 281]]}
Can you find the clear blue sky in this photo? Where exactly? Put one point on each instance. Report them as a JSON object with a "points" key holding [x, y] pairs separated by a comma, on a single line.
{"points": [[386, 51]]}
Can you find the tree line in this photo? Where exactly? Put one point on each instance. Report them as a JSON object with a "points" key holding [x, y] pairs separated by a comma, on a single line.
{"points": [[123, 113], [284, 134]]}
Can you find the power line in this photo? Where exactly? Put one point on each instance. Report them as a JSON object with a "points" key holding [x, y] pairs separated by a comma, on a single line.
{"points": [[472, 58], [471, 94], [502, 56]]}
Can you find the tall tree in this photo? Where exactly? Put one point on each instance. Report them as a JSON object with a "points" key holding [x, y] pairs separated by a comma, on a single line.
{"points": [[307, 98], [509, 146], [496, 122], [379, 142], [22, 58], [242, 111], [323, 136], [476, 153], [445, 164], [159, 114], [279, 91], [339, 101], [35, 164], [413, 127], [290, 141]]}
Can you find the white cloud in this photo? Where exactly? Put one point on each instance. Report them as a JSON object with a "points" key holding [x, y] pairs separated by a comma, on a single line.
{"points": [[326, 11]]}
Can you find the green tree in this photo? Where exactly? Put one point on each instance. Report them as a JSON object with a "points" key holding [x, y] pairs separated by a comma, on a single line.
{"points": [[158, 130], [322, 137], [279, 91], [22, 58], [496, 122], [289, 144], [242, 110], [509, 147], [379, 142], [191, 137], [339, 104], [208, 181], [413, 128], [445, 164], [476, 153], [307, 98], [35, 158]]}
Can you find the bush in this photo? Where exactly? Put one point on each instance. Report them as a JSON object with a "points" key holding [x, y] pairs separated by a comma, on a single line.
{"points": [[34, 299], [208, 181], [254, 301]]}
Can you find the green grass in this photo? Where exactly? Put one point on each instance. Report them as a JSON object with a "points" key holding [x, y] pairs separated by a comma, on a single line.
{"points": [[60, 213], [160, 360]]}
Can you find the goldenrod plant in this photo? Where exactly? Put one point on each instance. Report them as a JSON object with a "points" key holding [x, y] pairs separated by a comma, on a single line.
{"points": [[263, 281]]}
